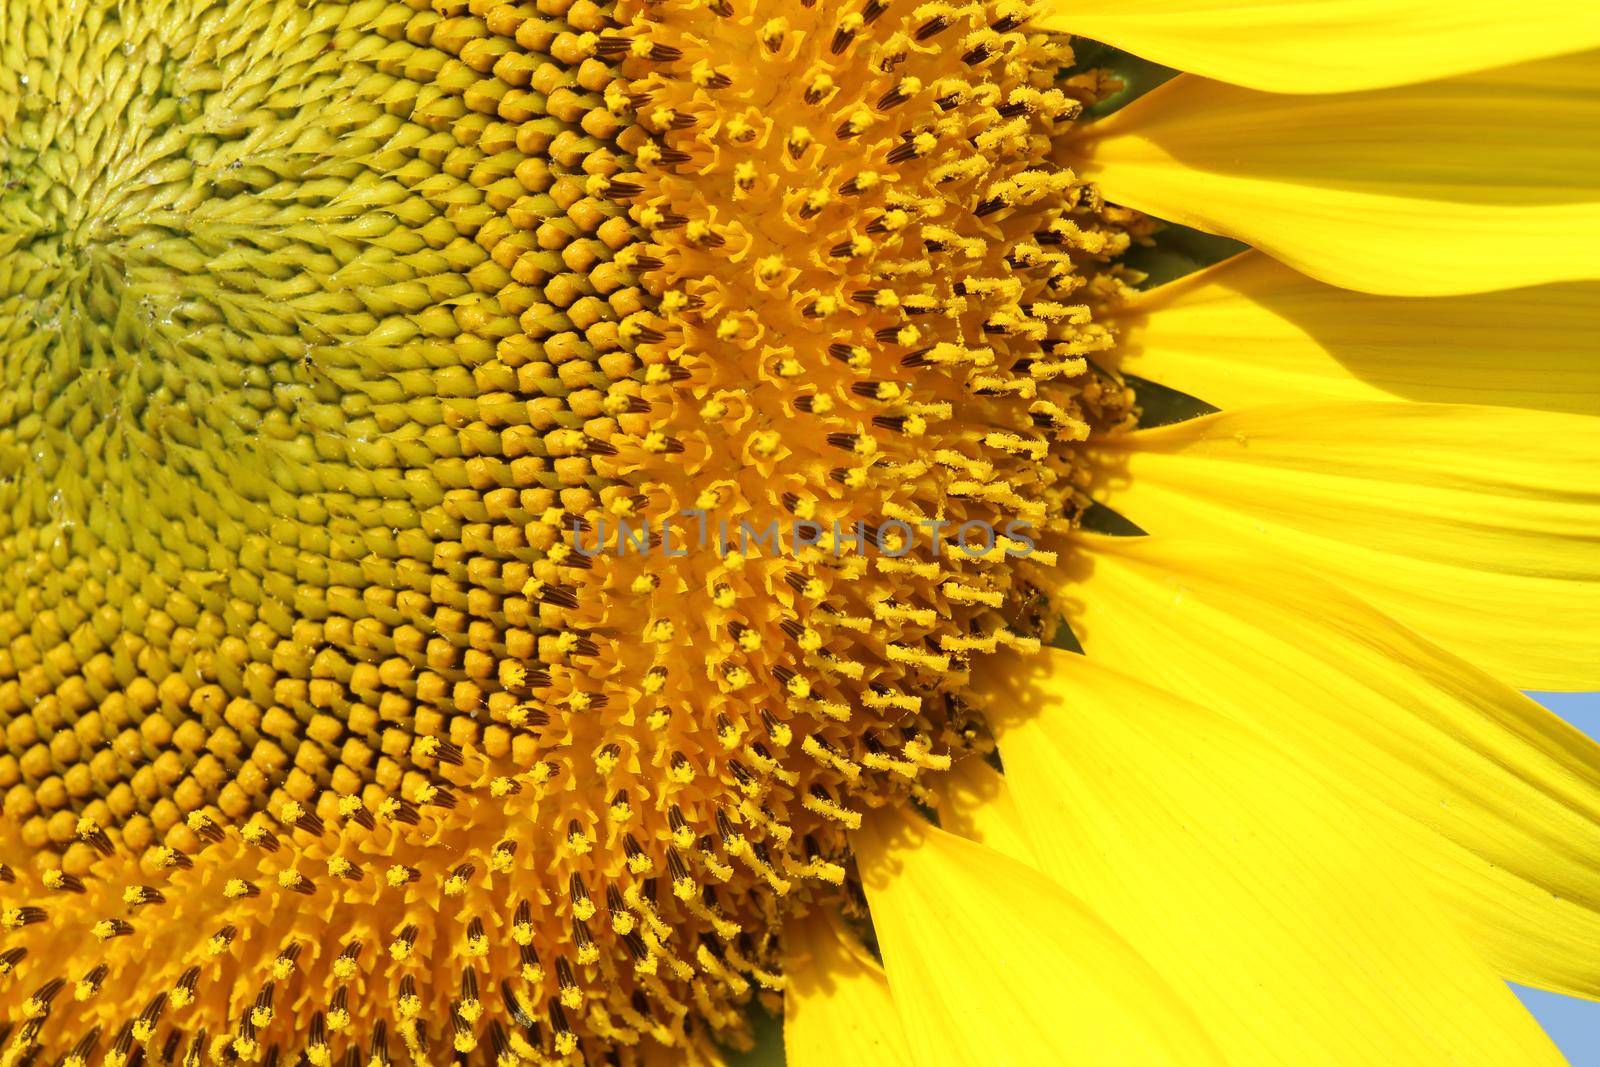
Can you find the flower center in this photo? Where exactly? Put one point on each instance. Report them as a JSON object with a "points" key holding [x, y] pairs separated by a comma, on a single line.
{"points": [[233, 353], [94, 279], [393, 329]]}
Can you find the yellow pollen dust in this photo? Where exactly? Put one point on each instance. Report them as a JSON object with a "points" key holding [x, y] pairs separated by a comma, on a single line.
{"points": [[410, 412]]}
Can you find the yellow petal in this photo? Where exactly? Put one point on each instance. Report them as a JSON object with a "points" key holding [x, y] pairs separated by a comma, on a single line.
{"points": [[836, 1004], [1477, 526], [1498, 799], [992, 963], [1252, 331], [1482, 182], [1331, 46], [1269, 904], [977, 805]]}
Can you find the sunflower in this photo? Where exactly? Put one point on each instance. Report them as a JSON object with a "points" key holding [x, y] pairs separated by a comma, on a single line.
{"points": [[529, 529]]}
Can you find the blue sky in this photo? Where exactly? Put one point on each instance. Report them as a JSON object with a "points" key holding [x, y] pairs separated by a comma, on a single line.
{"points": [[1573, 1024]]}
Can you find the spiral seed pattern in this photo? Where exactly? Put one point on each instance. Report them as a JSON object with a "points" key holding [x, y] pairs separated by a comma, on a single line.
{"points": [[335, 336]]}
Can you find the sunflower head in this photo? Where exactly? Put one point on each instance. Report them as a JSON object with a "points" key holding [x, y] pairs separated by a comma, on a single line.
{"points": [[521, 521], [348, 345]]}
